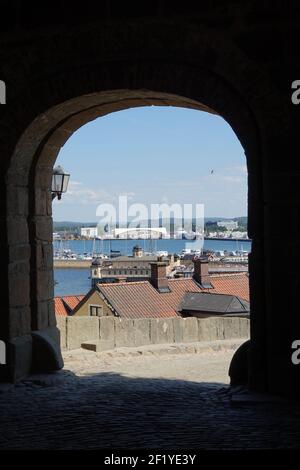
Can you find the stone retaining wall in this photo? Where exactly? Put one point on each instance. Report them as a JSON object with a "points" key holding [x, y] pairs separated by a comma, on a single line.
{"points": [[111, 332]]}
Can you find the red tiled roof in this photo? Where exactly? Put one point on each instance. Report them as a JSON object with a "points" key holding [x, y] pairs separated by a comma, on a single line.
{"points": [[232, 284], [141, 300], [71, 301], [136, 300], [64, 305], [60, 308]]}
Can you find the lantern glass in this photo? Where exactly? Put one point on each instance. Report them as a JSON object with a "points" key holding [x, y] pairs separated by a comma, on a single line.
{"points": [[65, 182], [60, 181], [57, 182]]}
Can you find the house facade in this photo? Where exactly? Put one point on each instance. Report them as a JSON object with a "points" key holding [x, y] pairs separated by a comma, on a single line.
{"points": [[136, 267]]}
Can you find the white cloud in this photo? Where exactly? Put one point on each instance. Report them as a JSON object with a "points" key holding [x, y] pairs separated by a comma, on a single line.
{"points": [[230, 179], [243, 169], [77, 194], [74, 183], [232, 175]]}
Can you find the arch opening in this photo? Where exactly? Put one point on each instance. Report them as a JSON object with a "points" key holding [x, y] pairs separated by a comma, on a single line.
{"points": [[102, 159], [39, 147]]}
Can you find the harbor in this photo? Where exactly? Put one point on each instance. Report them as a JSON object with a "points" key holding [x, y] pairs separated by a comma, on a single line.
{"points": [[81, 263], [86, 250]]}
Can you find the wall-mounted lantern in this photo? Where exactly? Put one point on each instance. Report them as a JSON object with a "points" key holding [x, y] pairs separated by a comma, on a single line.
{"points": [[60, 181]]}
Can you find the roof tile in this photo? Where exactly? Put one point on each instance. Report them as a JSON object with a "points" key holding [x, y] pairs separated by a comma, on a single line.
{"points": [[60, 309], [141, 300], [64, 305]]}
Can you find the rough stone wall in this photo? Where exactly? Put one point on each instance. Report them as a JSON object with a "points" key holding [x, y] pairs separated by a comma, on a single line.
{"points": [[64, 68], [111, 332]]}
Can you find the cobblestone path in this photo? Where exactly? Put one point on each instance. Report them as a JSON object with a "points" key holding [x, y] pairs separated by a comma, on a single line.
{"points": [[116, 401]]}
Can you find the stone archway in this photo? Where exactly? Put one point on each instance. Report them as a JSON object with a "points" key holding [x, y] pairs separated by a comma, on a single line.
{"points": [[199, 70]]}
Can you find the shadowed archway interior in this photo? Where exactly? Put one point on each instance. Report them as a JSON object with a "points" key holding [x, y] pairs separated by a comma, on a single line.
{"points": [[119, 66]]}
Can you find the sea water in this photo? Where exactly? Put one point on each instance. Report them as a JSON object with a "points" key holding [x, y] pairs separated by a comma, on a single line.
{"points": [[71, 281]]}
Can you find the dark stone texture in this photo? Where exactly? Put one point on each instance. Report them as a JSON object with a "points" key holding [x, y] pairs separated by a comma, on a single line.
{"points": [[46, 354], [64, 67], [239, 368]]}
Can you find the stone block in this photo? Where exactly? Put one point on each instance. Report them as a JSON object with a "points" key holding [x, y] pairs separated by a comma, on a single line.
{"points": [[81, 329], [141, 331], [44, 284], [190, 330], [44, 172], [19, 268], [178, 329], [62, 326], [41, 201], [51, 313], [17, 228], [20, 357], [46, 353], [17, 202], [19, 290], [43, 227], [244, 327], [19, 253], [231, 327], [42, 315], [218, 327], [124, 332], [19, 321], [98, 346], [161, 331], [107, 332], [44, 255], [207, 330]]}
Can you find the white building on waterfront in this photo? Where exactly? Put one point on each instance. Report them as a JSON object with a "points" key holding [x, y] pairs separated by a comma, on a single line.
{"points": [[140, 232], [89, 232]]}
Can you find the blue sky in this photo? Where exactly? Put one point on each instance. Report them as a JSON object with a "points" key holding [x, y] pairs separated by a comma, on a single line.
{"points": [[154, 155]]}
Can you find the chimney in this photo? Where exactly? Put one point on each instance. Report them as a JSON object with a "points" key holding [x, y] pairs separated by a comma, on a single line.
{"points": [[201, 274], [159, 276]]}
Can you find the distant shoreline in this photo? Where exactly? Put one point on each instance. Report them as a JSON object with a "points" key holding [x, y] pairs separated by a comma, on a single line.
{"points": [[86, 264], [137, 239], [71, 263], [229, 239]]}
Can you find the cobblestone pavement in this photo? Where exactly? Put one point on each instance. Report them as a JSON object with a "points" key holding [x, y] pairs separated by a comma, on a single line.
{"points": [[147, 401]]}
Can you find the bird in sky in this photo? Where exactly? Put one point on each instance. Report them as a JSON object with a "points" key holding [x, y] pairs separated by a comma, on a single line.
{"points": [[211, 172]]}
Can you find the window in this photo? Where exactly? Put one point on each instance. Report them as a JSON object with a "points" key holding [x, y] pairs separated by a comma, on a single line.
{"points": [[96, 310]]}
